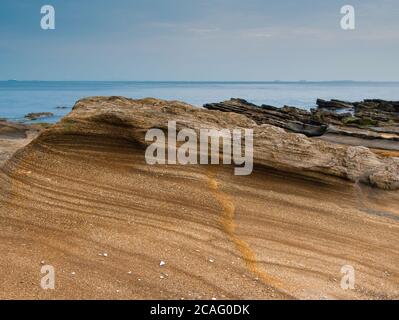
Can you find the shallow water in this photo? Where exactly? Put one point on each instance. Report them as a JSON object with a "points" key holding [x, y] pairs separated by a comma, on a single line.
{"points": [[17, 98]]}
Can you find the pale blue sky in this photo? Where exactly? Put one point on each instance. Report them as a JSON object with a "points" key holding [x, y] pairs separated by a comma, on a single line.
{"points": [[201, 40]]}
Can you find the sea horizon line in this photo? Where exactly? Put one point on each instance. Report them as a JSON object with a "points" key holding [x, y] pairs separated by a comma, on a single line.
{"points": [[211, 81]]}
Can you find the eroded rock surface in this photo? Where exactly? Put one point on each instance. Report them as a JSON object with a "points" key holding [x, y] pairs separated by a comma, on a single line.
{"points": [[82, 198], [273, 147], [290, 118], [370, 123]]}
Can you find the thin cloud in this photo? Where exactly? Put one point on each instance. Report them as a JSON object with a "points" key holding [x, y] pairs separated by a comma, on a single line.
{"points": [[202, 31]]}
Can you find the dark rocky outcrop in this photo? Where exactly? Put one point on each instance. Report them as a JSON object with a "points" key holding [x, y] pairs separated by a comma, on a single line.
{"points": [[290, 118], [39, 115], [371, 123], [333, 104]]}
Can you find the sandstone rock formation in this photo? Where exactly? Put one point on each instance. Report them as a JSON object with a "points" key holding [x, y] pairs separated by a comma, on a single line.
{"points": [[83, 189], [273, 146]]}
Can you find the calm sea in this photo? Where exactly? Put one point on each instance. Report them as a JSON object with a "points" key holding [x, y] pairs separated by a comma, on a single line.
{"points": [[17, 98]]}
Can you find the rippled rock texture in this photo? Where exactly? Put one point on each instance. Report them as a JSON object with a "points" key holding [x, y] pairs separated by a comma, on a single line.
{"points": [[82, 199]]}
